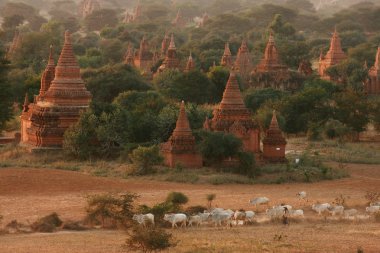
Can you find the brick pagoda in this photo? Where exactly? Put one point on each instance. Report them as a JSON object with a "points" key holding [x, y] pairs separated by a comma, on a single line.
{"points": [[334, 56], [226, 60], [243, 63], [372, 86], [233, 117], [59, 103], [143, 57], [87, 7], [129, 56], [180, 148], [171, 61], [274, 143], [190, 65], [271, 72]]}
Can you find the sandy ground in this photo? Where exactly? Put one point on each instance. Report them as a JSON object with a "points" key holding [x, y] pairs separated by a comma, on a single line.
{"points": [[27, 194]]}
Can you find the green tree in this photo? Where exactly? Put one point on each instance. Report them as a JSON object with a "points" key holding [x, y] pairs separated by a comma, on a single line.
{"points": [[177, 198], [219, 76], [108, 82], [255, 98], [192, 87], [11, 22], [100, 19], [217, 146], [144, 158], [352, 109], [5, 94]]}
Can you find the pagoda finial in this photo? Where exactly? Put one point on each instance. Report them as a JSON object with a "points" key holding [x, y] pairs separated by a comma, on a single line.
{"points": [[274, 122], [172, 42], [51, 59], [182, 125], [25, 107]]}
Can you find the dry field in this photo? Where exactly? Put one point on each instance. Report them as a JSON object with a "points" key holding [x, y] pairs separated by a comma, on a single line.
{"points": [[28, 194]]}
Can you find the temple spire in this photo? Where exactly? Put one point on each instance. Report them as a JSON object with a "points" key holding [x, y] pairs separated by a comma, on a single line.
{"points": [[182, 125], [129, 58], [227, 56], [51, 59], [190, 64], [377, 61], [47, 76], [232, 96], [172, 42], [25, 106]]}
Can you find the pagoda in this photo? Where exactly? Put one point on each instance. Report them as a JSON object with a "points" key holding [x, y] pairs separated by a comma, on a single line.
{"points": [[232, 116], [243, 63], [274, 143], [334, 56], [129, 59], [87, 7], [372, 86], [270, 72], [14, 46], [143, 57], [165, 45], [180, 149], [179, 20], [59, 103], [171, 61], [226, 60], [271, 60], [190, 64]]}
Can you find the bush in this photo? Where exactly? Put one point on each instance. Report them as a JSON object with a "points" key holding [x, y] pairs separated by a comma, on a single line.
{"points": [[150, 239], [216, 146], [47, 224], [144, 158], [177, 198], [192, 210], [110, 209], [247, 165], [335, 129]]}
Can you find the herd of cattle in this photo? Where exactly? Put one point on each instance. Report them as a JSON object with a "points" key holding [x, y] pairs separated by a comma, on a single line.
{"points": [[220, 216]]}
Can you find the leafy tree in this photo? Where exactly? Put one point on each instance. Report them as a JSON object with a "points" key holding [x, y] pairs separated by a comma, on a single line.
{"points": [[97, 133], [111, 209], [192, 87], [101, 18], [278, 26], [5, 94], [255, 98], [148, 240], [335, 129], [217, 146], [177, 198], [108, 82], [11, 22], [219, 77], [352, 109], [144, 158], [141, 101]]}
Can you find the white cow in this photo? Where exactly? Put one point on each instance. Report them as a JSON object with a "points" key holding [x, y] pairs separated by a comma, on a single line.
{"points": [[204, 216], [196, 219], [259, 201], [144, 219], [219, 217], [302, 195], [319, 208], [296, 213], [350, 213], [373, 209], [375, 204], [176, 218], [249, 215], [336, 210], [239, 216], [275, 212]]}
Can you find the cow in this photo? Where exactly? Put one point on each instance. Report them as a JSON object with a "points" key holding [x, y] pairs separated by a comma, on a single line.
{"points": [[219, 217], [195, 219], [144, 219], [239, 216], [176, 218], [259, 201], [320, 208], [373, 209], [296, 213], [249, 215], [336, 210]]}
